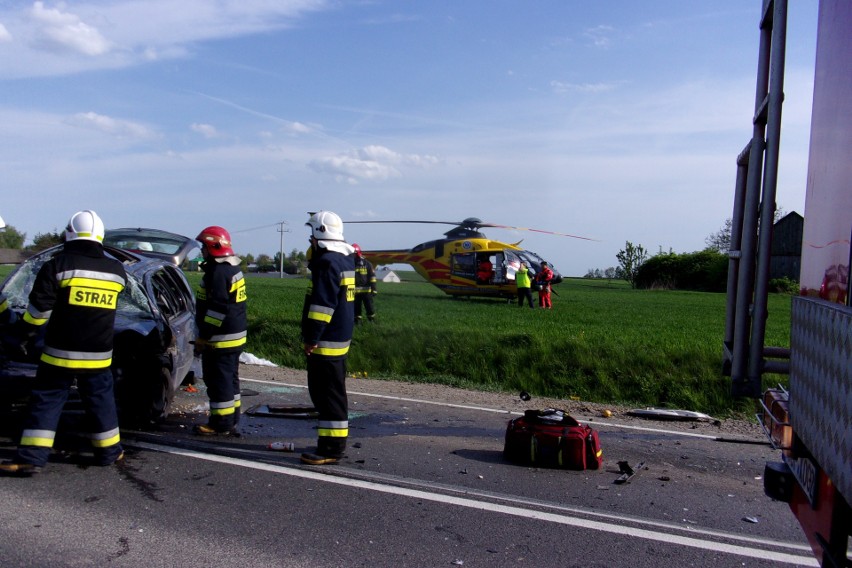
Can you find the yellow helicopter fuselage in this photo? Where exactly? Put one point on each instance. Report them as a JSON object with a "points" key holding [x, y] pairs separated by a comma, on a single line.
{"points": [[455, 265]]}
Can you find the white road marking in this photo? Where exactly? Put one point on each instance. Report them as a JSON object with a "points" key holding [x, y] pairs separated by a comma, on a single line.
{"points": [[496, 410], [563, 519]]}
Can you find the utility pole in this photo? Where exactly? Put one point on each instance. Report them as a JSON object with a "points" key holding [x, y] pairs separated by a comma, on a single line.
{"points": [[281, 230]]}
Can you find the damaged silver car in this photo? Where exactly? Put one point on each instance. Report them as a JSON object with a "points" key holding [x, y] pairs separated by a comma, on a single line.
{"points": [[154, 334], [154, 243]]}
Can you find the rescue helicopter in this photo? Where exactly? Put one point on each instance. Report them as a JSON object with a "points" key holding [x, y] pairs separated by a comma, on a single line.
{"points": [[454, 264]]}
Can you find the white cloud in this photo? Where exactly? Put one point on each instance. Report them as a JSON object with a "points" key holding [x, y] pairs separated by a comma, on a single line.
{"points": [[352, 170], [63, 38], [63, 31], [298, 128], [206, 130], [112, 126], [370, 163], [599, 35], [561, 87]]}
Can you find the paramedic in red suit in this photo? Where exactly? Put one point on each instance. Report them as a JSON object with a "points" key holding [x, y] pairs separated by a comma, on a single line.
{"points": [[327, 324], [75, 295], [544, 276], [486, 271]]}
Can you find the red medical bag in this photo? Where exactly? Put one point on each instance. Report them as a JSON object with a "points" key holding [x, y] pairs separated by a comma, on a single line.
{"points": [[552, 438]]}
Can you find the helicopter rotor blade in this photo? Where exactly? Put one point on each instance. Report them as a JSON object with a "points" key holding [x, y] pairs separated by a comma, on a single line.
{"points": [[474, 223], [510, 227], [426, 222]]}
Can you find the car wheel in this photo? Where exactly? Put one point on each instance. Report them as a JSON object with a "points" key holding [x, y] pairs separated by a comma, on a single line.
{"points": [[145, 400], [160, 398]]}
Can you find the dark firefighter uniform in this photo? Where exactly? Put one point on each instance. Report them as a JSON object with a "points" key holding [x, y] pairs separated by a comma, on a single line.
{"points": [[327, 322], [75, 294], [5, 313], [7, 316], [365, 288], [221, 318]]}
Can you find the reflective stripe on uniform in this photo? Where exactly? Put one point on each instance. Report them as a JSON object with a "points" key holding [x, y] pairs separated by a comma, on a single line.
{"points": [[40, 438], [76, 359], [227, 340], [238, 287], [332, 348], [91, 279], [35, 317], [333, 428], [106, 439], [214, 318], [320, 313], [91, 288], [222, 408]]}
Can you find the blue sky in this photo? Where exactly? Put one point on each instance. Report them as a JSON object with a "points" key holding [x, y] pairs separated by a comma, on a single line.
{"points": [[615, 120]]}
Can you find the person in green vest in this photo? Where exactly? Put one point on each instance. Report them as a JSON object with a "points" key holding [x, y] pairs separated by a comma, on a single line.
{"points": [[523, 282]]}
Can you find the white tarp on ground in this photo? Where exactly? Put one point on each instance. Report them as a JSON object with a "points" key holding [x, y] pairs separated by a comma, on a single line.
{"points": [[249, 359]]}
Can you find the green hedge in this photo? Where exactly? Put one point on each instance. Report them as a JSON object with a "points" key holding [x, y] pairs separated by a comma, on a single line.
{"points": [[703, 271]]}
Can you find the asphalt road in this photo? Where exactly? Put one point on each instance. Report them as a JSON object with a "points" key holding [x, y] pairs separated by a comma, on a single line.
{"points": [[424, 484]]}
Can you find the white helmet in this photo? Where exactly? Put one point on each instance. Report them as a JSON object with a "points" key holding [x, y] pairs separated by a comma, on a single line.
{"points": [[326, 226], [85, 226]]}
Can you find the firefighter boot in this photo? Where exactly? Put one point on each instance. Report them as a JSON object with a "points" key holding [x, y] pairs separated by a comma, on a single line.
{"points": [[316, 459], [19, 469]]}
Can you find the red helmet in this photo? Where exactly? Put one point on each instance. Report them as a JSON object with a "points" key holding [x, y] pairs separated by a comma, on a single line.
{"points": [[357, 249], [216, 240]]}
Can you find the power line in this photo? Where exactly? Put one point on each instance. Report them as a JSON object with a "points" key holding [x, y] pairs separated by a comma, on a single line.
{"points": [[258, 228]]}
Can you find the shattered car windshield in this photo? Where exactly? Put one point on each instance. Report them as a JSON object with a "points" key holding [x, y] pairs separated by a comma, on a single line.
{"points": [[132, 302]]}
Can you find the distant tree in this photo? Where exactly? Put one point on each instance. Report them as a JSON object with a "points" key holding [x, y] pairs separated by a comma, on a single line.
{"points": [[265, 263], [721, 240], [297, 255], [11, 238], [630, 259], [610, 273], [45, 240]]}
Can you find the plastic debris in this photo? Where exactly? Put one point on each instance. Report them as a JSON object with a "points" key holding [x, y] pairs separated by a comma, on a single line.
{"points": [[751, 520], [667, 414], [282, 446], [627, 472]]}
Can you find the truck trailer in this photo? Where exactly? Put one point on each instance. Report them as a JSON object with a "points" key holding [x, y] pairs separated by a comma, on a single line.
{"points": [[810, 421]]}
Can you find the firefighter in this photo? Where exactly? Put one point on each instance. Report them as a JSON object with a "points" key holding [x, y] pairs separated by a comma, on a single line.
{"points": [[74, 295], [221, 317], [365, 286], [6, 315], [327, 323]]}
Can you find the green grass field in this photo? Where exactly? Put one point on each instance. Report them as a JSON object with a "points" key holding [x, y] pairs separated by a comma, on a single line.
{"points": [[602, 342]]}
